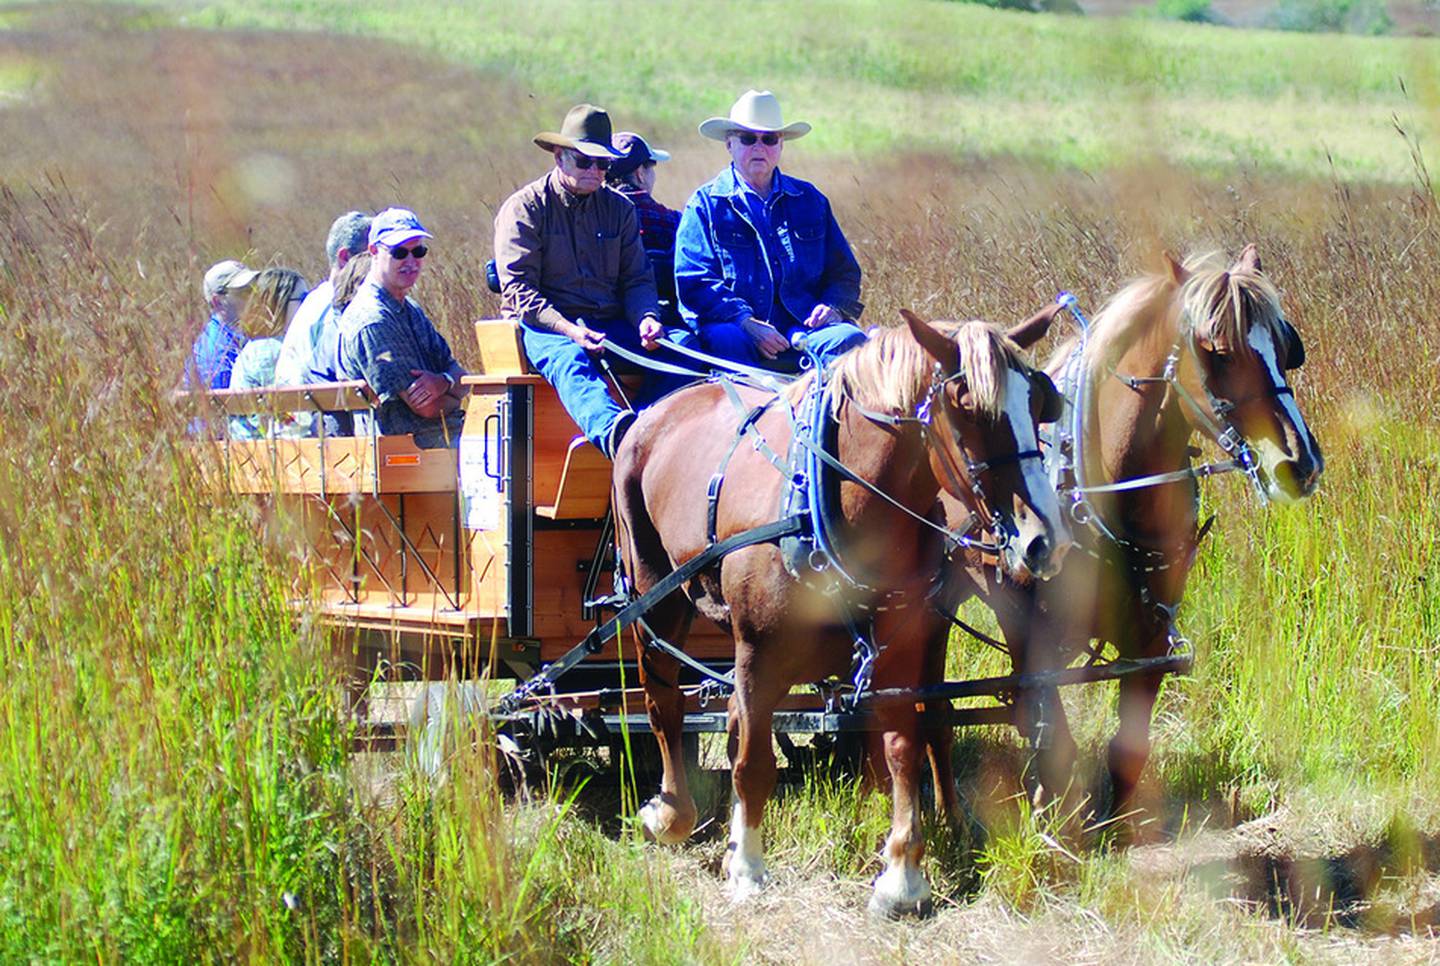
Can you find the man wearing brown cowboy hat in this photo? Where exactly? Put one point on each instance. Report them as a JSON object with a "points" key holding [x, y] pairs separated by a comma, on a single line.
{"points": [[573, 273], [761, 267]]}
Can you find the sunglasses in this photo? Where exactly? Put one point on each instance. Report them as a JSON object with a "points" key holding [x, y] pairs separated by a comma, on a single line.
{"points": [[400, 252], [584, 162], [770, 140]]}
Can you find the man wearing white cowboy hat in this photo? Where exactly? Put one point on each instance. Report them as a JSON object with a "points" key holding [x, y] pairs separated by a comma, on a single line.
{"points": [[761, 267], [573, 273]]}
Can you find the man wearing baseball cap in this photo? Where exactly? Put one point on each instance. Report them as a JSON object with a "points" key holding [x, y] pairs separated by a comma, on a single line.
{"points": [[574, 275], [387, 340], [220, 341], [634, 177], [761, 266]]}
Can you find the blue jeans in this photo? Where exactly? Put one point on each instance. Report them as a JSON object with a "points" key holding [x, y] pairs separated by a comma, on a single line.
{"points": [[580, 383], [729, 340]]}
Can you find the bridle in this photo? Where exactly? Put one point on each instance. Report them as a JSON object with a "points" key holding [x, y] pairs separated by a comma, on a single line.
{"points": [[1214, 418], [963, 473]]}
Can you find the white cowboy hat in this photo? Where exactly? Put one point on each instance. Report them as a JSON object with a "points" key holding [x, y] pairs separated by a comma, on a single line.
{"points": [[757, 111]]}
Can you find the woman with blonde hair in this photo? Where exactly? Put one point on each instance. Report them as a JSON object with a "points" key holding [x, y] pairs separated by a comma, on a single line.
{"points": [[274, 298]]}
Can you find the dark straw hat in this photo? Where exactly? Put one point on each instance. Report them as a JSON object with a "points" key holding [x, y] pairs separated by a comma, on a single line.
{"points": [[586, 129]]}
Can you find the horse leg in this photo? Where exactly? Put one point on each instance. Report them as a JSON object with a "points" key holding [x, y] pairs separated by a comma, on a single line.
{"points": [[1052, 746], [1039, 713], [1130, 748], [670, 816], [753, 773], [901, 889], [940, 739]]}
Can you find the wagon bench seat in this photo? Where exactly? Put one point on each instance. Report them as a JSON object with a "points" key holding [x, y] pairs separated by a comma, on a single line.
{"points": [[335, 465]]}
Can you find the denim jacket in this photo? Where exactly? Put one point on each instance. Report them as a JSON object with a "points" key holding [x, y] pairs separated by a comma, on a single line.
{"points": [[723, 274]]}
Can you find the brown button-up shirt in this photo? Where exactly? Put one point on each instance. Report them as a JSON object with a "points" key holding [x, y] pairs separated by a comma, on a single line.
{"points": [[562, 256]]}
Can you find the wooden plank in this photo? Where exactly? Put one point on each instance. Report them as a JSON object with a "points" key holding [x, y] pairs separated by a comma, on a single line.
{"points": [[351, 465], [287, 466], [501, 350], [554, 431], [350, 396], [584, 489], [427, 610], [406, 468]]}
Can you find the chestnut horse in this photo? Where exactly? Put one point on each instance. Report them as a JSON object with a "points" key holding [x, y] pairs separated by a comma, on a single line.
{"points": [[1197, 347], [914, 409]]}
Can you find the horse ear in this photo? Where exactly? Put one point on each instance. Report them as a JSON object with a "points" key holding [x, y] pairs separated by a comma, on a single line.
{"points": [[1033, 329], [1249, 260], [937, 345], [1178, 272]]}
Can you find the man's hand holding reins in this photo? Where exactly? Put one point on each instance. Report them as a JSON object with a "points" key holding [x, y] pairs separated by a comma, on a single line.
{"points": [[586, 338], [822, 314], [651, 332], [766, 337]]}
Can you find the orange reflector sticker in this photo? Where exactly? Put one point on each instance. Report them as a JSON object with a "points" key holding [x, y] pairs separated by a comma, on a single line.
{"points": [[403, 459]]}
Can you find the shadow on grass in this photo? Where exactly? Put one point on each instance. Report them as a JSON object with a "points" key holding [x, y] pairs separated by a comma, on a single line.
{"points": [[1349, 889]]}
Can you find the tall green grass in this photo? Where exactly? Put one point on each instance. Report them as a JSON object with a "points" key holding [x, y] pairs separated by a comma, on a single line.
{"points": [[177, 777]]}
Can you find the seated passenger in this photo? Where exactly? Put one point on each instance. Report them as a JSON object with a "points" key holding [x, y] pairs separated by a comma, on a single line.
{"points": [[634, 177], [323, 366], [274, 299], [213, 354], [348, 236], [387, 340], [574, 275], [760, 263]]}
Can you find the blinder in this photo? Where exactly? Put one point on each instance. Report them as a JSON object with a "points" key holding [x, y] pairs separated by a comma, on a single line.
{"points": [[1294, 347], [1051, 402]]}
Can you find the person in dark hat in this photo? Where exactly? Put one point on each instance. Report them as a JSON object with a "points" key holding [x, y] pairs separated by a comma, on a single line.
{"points": [[633, 175], [574, 274]]}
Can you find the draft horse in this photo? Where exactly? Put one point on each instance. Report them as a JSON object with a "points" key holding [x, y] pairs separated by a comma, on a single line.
{"points": [[916, 409], [1200, 347]]}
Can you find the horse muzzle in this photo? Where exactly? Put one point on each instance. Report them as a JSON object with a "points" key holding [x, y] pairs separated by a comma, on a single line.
{"points": [[1037, 550]]}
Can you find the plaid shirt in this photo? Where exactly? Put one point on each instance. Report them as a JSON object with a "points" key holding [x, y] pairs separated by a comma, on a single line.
{"points": [[657, 234], [381, 341]]}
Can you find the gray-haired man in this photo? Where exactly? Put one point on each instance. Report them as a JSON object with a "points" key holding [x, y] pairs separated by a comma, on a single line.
{"points": [[349, 235]]}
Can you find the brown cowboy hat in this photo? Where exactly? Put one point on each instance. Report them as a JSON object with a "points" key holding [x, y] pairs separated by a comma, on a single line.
{"points": [[586, 129]]}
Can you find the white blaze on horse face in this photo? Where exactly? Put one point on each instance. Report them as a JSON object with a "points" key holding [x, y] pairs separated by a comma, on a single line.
{"points": [[745, 869], [1270, 450], [1040, 494]]}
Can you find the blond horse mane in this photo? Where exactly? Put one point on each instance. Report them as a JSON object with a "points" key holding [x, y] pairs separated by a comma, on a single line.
{"points": [[1217, 303], [890, 372]]}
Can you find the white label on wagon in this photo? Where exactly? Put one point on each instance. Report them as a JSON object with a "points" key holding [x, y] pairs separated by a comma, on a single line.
{"points": [[480, 500]]}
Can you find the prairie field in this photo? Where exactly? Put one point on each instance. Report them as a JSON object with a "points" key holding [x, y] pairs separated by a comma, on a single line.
{"points": [[177, 779]]}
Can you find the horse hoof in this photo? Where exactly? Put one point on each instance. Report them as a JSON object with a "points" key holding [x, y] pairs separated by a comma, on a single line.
{"points": [[900, 894], [743, 887], [663, 823], [891, 910]]}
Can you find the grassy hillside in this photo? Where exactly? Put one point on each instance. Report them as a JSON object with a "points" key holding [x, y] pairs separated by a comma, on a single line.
{"points": [[877, 76]]}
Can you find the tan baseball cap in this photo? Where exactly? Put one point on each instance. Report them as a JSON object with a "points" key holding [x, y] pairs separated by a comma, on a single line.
{"points": [[228, 276]]}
